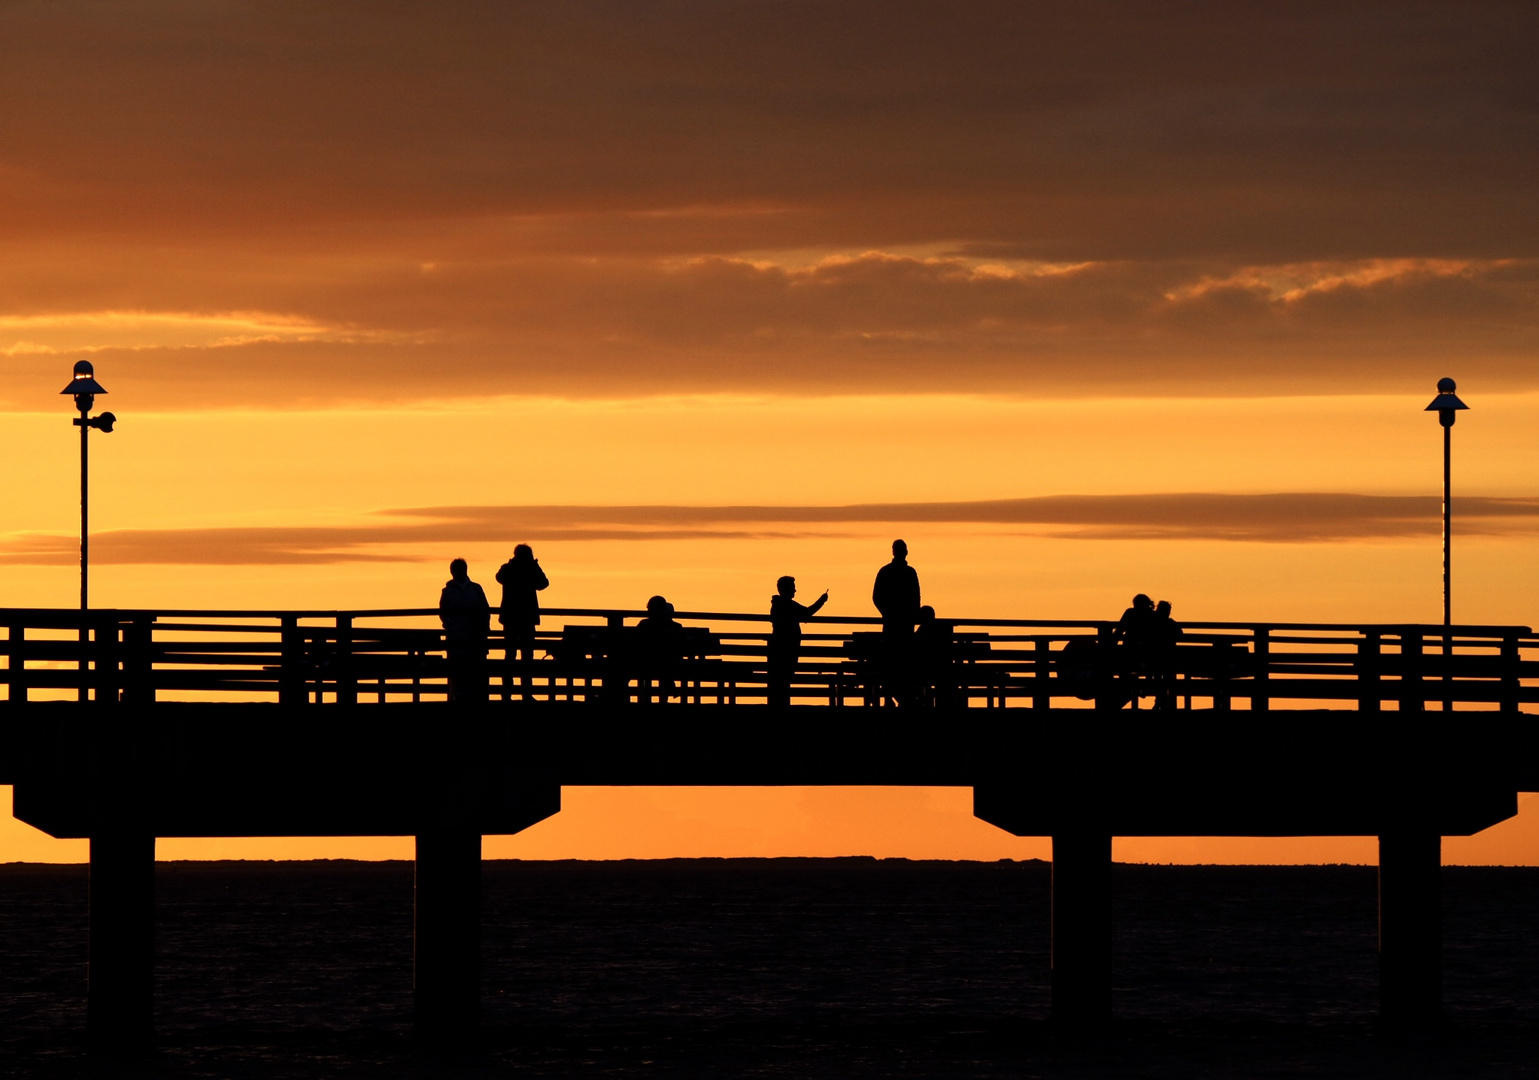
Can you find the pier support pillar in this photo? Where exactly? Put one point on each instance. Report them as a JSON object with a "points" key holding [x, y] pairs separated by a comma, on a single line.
{"points": [[121, 959], [447, 992], [1410, 928], [1081, 954]]}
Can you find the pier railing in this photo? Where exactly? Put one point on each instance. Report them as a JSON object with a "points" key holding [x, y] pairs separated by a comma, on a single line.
{"points": [[597, 656]]}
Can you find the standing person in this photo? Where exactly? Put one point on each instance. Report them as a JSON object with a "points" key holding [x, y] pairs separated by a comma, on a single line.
{"points": [[896, 596], [785, 643], [466, 618], [521, 579]]}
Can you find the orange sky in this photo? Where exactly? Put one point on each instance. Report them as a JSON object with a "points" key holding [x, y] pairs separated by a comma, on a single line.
{"points": [[349, 271]]}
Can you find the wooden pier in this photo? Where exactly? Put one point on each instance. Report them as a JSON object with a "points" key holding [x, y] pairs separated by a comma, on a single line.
{"points": [[126, 726]]}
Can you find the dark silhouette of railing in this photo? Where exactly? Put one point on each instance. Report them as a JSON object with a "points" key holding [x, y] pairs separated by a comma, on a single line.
{"points": [[591, 656]]}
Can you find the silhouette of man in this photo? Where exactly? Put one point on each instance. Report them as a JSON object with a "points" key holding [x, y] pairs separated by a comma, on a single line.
{"points": [[521, 579], [785, 643], [896, 596], [466, 618], [896, 593]]}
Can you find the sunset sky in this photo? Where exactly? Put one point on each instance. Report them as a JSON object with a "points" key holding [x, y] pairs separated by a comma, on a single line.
{"points": [[1081, 299]]}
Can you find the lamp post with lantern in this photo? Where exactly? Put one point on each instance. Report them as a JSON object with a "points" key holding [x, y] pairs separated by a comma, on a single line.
{"points": [[84, 388], [1447, 406]]}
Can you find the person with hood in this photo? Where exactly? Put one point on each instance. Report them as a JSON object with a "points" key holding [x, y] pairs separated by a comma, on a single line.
{"points": [[466, 618], [522, 580]]}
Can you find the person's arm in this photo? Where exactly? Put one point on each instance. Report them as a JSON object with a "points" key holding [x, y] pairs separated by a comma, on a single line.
{"points": [[816, 606], [540, 580]]}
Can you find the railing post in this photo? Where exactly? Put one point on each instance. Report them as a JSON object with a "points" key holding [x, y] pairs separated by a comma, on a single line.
{"points": [[1041, 668], [291, 660], [1368, 672], [105, 677], [139, 661], [1261, 648], [1512, 683], [1411, 693], [1221, 677], [347, 682], [1110, 686], [16, 665]]}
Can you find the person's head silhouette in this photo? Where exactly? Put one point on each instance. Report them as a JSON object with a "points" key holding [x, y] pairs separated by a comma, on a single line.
{"points": [[899, 550], [523, 551], [459, 570], [658, 608], [1141, 602], [1162, 609], [786, 586], [926, 615]]}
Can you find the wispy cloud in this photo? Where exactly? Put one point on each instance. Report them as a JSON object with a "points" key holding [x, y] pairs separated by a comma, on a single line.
{"points": [[405, 535]]}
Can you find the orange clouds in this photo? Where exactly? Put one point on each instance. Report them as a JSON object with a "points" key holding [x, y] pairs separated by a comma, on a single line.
{"points": [[877, 321], [1190, 516]]}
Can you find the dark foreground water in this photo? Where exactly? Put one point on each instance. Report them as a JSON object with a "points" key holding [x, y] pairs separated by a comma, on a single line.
{"points": [[785, 968]]}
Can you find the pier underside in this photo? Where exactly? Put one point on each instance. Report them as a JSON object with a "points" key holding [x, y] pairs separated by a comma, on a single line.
{"points": [[265, 770]]}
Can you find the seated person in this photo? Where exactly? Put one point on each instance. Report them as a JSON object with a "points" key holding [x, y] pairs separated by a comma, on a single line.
{"points": [[660, 641]]}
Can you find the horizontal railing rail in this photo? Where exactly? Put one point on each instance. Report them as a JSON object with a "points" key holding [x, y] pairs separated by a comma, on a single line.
{"points": [[598, 655]]}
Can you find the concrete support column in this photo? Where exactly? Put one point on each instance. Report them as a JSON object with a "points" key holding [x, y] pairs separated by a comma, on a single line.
{"points": [[448, 935], [121, 974], [1082, 928], [1410, 928]]}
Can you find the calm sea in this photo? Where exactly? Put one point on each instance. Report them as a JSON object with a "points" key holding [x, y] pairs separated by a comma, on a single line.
{"points": [[783, 967]]}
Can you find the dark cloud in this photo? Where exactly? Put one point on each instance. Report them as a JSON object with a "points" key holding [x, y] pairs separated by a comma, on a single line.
{"points": [[579, 198], [1100, 129], [403, 535]]}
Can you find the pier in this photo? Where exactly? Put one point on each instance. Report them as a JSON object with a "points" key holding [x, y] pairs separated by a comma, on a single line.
{"points": [[123, 726]]}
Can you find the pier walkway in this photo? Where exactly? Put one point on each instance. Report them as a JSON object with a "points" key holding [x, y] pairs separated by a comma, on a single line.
{"points": [[124, 726]]}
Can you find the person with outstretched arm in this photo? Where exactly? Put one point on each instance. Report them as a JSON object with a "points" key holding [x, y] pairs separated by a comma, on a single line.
{"points": [[785, 641]]}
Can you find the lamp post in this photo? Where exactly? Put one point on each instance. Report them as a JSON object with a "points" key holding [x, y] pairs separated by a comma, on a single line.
{"points": [[1446, 405], [84, 387]]}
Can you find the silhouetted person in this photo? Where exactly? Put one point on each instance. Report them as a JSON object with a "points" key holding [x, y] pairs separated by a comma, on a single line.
{"points": [[896, 596], [661, 645], [785, 643], [1164, 633], [1135, 635], [932, 658], [466, 618], [521, 579]]}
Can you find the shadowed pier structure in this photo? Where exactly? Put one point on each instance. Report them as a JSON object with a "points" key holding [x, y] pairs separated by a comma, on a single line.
{"points": [[125, 726]]}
